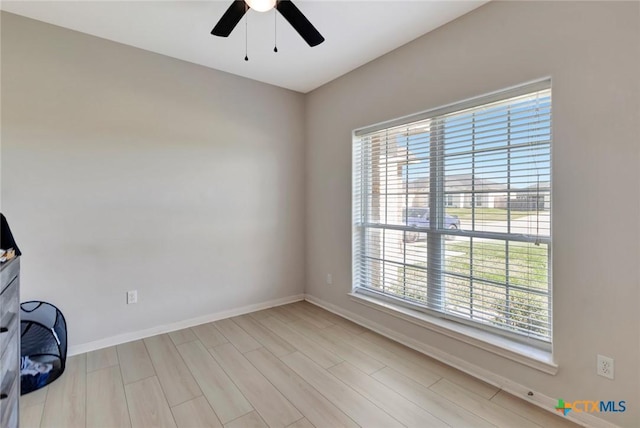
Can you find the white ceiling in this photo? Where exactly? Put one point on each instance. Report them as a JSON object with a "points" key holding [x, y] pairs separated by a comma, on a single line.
{"points": [[356, 32]]}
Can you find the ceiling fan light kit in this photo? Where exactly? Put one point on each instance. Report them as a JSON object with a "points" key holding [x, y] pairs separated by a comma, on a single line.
{"points": [[287, 9], [261, 5]]}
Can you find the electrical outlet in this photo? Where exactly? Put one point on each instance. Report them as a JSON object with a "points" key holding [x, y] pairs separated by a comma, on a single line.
{"points": [[132, 297], [329, 279], [605, 367]]}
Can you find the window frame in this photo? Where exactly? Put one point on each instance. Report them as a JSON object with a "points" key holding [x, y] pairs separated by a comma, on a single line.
{"points": [[438, 202]]}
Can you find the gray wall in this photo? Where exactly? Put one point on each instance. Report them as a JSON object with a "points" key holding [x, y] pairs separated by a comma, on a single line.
{"points": [[591, 51], [123, 169]]}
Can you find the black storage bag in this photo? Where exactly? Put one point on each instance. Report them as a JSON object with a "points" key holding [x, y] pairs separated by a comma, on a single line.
{"points": [[43, 345]]}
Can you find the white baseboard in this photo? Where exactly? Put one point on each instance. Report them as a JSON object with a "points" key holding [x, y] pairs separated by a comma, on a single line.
{"points": [[167, 328], [538, 399]]}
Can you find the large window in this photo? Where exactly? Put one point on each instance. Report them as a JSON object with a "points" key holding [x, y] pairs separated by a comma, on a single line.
{"points": [[452, 214]]}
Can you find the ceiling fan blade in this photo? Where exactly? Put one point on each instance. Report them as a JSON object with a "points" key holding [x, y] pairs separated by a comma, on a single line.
{"points": [[299, 22], [230, 19]]}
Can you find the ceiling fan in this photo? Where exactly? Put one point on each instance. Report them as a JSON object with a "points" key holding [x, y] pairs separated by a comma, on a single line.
{"points": [[291, 13]]}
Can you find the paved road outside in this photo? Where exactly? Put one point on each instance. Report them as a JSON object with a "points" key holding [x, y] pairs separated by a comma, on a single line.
{"points": [[529, 225]]}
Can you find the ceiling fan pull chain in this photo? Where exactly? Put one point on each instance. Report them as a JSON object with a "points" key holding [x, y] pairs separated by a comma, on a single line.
{"points": [[246, 38], [275, 30]]}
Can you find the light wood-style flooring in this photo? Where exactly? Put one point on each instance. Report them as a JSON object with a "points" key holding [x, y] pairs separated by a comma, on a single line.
{"points": [[295, 366]]}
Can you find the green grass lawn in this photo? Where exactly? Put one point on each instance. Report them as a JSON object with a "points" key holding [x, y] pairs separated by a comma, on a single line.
{"points": [[527, 262], [487, 214], [528, 268]]}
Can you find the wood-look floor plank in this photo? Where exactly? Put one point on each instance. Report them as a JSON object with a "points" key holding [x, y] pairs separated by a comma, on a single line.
{"points": [[308, 316], [135, 363], [209, 335], [33, 398], [260, 314], [357, 407], [177, 381], [30, 416], [182, 336], [66, 398], [348, 325], [147, 404], [407, 412], [435, 404], [284, 315], [274, 408], [415, 371], [302, 423], [328, 371], [102, 358], [266, 337], [313, 405], [480, 406], [310, 348], [106, 402], [250, 420], [236, 335], [532, 412], [196, 413], [454, 375], [343, 350], [223, 395]]}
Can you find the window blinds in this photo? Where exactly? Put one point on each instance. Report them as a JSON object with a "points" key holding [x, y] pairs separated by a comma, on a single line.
{"points": [[452, 211]]}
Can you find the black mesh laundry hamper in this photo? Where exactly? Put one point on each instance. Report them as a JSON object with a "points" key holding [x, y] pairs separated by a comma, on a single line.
{"points": [[43, 340]]}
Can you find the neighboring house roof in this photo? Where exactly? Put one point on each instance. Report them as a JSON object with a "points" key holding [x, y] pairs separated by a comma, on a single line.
{"points": [[544, 185]]}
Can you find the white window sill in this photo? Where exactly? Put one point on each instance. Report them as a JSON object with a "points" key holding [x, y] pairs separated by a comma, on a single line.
{"points": [[507, 348]]}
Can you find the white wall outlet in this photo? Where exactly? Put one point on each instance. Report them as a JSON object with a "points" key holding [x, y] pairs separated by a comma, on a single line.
{"points": [[329, 279], [132, 297], [605, 366]]}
